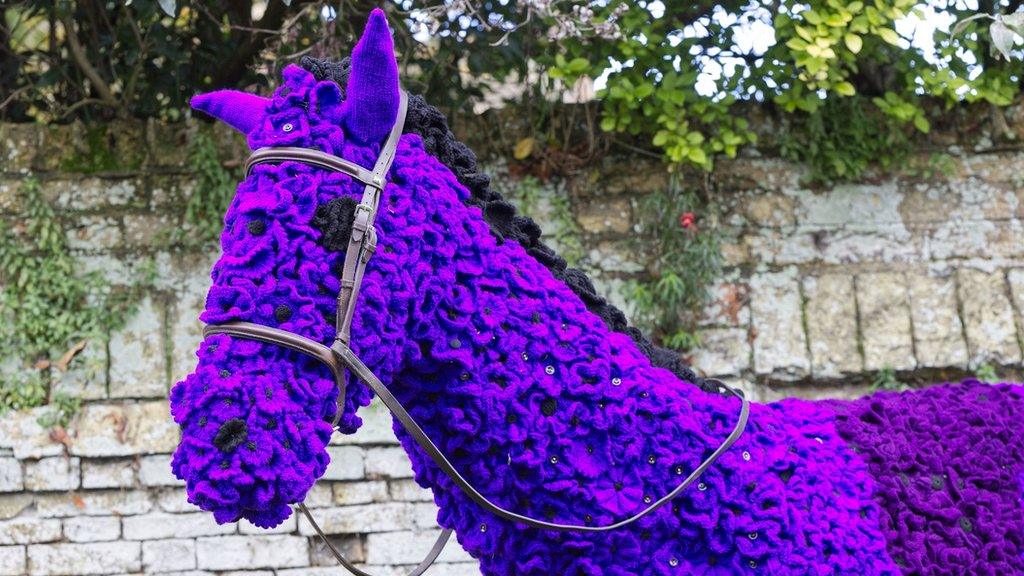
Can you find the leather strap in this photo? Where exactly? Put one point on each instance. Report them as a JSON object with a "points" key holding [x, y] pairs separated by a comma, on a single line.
{"points": [[329, 357], [347, 358], [362, 244], [306, 156], [363, 240], [288, 340], [420, 568], [356, 366]]}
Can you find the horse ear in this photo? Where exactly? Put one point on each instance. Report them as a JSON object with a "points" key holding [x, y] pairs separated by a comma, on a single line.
{"points": [[371, 95], [240, 110]]}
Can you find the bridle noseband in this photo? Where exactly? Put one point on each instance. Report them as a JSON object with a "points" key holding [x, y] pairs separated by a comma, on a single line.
{"points": [[339, 357]]}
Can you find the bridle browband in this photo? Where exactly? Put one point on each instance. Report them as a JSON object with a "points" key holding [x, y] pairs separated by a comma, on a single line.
{"points": [[339, 357]]}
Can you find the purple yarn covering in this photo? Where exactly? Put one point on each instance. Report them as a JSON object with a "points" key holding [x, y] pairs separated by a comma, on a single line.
{"points": [[538, 403], [466, 330], [947, 463], [272, 272]]}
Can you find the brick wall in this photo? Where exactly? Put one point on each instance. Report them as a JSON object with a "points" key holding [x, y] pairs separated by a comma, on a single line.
{"points": [[822, 288]]}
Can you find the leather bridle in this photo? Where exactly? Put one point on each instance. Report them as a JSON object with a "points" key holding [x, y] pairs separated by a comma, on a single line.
{"points": [[339, 356]]}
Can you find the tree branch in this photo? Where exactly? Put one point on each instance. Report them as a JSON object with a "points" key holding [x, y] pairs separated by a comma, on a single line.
{"points": [[236, 64], [82, 61]]}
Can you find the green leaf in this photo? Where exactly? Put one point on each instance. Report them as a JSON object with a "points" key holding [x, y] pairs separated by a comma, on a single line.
{"points": [[922, 124], [578, 65], [889, 35], [804, 33], [853, 42], [697, 156], [812, 17], [845, 89], [835, 21], [797, 44]]}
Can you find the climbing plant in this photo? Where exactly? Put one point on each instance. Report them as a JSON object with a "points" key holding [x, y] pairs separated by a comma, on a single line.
{"points": [[49, 308], [844, 138], [679, 237], [886, 379], [212, 192]]}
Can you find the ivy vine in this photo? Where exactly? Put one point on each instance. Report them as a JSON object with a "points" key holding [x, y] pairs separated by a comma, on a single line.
{"points": [[846, 137], [50, 309], [213, 189]]}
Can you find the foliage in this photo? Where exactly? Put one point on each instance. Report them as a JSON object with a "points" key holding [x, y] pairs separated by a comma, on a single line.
{"points": [[679, 235], [824, 53], [843, 139], [103, 59], [22, 390], [60, 410], [671, 73], [48, 306], [1002, 31], [986, 373], [214, 188], [680, 69], [97, 155], [146, 58], [934, 165], [886, 379]]}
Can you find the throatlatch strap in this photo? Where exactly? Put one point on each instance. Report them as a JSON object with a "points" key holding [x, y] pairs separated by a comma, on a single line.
{"points": [[420, 568], [356, 366]]}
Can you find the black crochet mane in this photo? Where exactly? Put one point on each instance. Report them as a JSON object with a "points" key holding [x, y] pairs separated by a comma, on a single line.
{"points": [[334, 221]]}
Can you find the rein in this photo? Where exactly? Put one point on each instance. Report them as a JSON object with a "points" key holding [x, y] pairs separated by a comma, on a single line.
{"points": [[339, 357]]}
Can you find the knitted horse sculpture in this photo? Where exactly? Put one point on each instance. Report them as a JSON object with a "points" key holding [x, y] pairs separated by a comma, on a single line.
{"points": [[535, 389]]}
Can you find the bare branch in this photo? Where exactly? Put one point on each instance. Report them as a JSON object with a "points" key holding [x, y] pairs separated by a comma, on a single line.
{"points": [[82, 61], [87, 102]]}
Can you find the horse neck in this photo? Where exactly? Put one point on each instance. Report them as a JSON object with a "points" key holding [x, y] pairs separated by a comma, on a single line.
{"points": [[488, 331]]}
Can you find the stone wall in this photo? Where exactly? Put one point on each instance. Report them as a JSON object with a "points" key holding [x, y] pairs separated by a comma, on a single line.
{"points": [[823, 288], [826, 287]]}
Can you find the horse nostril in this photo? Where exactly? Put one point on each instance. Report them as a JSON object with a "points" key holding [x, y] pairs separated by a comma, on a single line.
{"points": [[231, 434]]}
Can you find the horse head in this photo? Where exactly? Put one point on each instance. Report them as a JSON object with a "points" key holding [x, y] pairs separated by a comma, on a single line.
{"points": [[256, 418]]}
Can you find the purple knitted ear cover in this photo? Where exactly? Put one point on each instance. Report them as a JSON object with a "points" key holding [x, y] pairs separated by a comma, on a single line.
{"points": [[372, 93], [240, 110]]}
